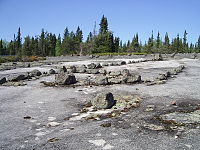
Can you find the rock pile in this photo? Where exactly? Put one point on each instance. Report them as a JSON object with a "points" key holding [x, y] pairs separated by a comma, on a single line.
{"points": [[162, 78]]}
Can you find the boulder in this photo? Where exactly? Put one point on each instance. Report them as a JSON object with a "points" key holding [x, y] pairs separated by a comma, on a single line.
{"points": [[105, 64], [193, 56], [114, 64], [179, 69], [162, 77], [103, 71], [2, 80], [103, 101], [167, 74], [64, 78], [92, 71], [173, 72], [17, 77], [131, 79], [72, 69], [158, 57], [91, 66], [35, 73], [98, 65], [102, 80], [125, 72], [63, 69], [122, 63], [115, 80], [52, 71], [81, 69], [115, 73], [129, 62]]}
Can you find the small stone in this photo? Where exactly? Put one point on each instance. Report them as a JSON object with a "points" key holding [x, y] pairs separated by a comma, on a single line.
{"points": [[106, 124], [53, 124]]}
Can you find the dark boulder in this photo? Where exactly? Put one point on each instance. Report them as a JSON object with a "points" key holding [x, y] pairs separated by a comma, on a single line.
{"points": [[2, 80], [64, 78], [103, 101], [52, 71]]}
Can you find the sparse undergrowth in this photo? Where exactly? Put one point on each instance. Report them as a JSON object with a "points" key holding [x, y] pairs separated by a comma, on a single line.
{"points": [[4, 59]]}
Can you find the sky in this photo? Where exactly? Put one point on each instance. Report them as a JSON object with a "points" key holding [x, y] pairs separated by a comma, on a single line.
{"points": [[125, 17]]}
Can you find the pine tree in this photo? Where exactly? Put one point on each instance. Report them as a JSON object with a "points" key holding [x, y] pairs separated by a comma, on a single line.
{"points": [[103, 25], [58, 46], [158, 41], [198, 45], [42, 51], [185, 44], [1, 48], [18, 43]]}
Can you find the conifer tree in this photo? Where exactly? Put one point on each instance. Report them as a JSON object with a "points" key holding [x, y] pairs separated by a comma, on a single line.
{"points": [[58, 46], [18, 43]]}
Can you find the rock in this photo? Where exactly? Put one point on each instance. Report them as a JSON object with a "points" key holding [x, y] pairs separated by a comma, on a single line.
{"points": [[125, 72], [103, 71], [102, 80], [53, 124], [194, 56], [17, 77], [158, 57], [71, 69], [179, 69], [132, 79], [63, 69], [105, 64], [106, 124], [150, 107], [115, 73], [52, 71], [162, 77], [122, 63], [35, 73], [173, 72], [167, 74], [98, 65], [129, 62], [81, 69], [92, 71], [114, 64], [115, 80], [64, 78], [2, 80], [14, 84], [103, 101], [173, 55], [91, 66]]}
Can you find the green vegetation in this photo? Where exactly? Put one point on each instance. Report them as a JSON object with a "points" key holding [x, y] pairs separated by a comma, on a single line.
{"points": [[115, 54], [102, 43], [4, 59]]}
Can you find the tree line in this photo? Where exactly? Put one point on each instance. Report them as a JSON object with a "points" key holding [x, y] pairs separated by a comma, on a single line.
{"points": [[48, 44]]}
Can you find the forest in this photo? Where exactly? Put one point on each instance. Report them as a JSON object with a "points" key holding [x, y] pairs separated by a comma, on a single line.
{"points": [[103, 41]]}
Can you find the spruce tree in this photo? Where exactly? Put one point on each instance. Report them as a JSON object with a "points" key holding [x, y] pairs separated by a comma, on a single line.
{"points": [[158, 41], [18, 43], [103, 25], [185, 44], [1, 48]]}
